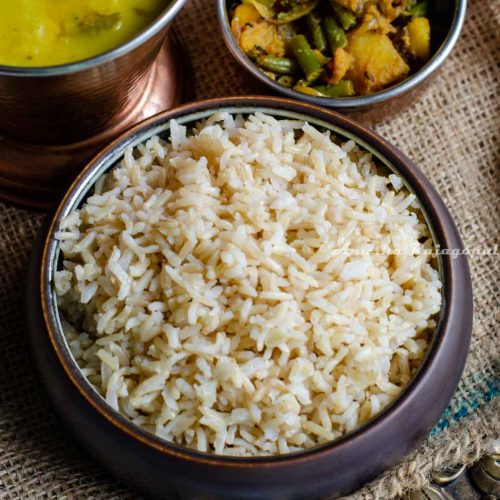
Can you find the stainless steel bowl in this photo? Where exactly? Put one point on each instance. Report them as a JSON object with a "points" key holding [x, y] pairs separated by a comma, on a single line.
{"points": [[446, 23], [72, 102]]}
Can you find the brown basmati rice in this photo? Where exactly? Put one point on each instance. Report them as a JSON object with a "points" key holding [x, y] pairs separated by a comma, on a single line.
{"points": [[249, 288]]}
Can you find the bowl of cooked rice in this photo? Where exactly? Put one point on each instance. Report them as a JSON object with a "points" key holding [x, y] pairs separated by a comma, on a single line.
{"points": [[250, 297]]}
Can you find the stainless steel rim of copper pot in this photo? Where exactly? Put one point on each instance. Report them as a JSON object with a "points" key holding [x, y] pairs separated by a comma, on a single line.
{"points": [[64, 69], [456, 313], [349, 103]]}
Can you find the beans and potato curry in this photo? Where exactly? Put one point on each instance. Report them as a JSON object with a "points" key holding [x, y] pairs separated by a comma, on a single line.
{"points": [[334, 48]]}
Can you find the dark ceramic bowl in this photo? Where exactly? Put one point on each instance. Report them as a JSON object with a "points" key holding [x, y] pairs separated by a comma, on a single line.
{"points": [[447, 18], [159, 467]]}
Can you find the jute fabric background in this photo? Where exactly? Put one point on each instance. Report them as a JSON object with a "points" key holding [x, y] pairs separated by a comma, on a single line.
{"points": [[451, 132]]}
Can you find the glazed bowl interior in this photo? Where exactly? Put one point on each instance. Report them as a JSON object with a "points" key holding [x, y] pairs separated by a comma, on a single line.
{"points": [[446, 19], [172, 8], [343, 128]]}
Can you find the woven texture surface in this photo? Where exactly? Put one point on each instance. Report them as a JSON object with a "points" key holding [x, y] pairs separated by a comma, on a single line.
{"points": [[452, 132]]}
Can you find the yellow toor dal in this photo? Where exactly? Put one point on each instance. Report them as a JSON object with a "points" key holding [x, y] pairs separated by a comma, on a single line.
{"points": [[54, 32]]}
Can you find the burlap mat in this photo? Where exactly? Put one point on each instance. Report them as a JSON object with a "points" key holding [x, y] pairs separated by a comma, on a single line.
{"points": [[451, 132]]}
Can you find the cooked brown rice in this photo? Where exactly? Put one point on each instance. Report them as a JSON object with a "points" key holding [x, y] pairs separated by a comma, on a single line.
{"points": [[249, 288]]}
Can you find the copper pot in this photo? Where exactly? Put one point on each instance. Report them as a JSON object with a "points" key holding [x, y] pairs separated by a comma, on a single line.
{"points": [[69, 103]]}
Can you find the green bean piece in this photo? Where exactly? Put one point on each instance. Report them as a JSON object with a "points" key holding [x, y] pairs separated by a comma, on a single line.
{"points": [[305, 57], [334, 34], [342, 89], [316, 31], [281, 65], [345, 17], [420, 9], [286, 80]]}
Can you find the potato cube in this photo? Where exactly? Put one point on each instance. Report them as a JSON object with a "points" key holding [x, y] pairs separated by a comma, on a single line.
{"points": [[419, 35], [377, 63]]}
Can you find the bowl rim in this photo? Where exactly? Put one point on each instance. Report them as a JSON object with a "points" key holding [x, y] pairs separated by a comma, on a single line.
{"points": [[456, 285], [354, 102], [152, 29]]}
